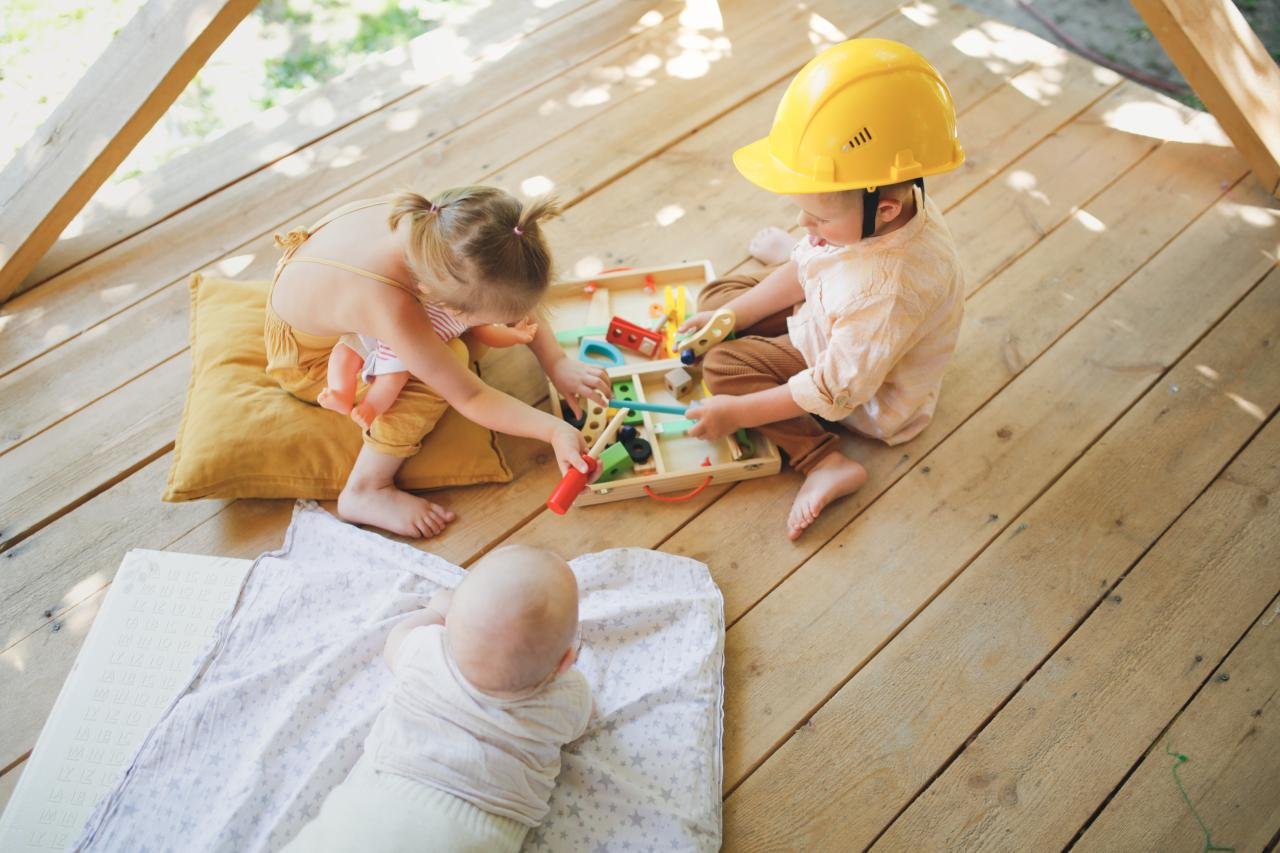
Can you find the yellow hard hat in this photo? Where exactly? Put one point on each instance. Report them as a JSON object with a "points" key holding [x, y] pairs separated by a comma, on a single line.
{"points": [[864, 113]]}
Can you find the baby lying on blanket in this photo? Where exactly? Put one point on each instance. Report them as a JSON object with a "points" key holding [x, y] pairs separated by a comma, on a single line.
{"points": [[467, 750]]}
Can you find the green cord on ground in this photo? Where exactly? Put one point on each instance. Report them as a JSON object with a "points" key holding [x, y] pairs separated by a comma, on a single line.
{"points": [[1178, 759]]}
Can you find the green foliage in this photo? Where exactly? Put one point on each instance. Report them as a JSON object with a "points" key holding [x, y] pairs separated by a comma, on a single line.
{"points": [[317, 49]]}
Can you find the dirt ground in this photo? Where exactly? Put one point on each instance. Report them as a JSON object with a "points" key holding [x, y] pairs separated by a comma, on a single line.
{"points": [[1115, 31]]}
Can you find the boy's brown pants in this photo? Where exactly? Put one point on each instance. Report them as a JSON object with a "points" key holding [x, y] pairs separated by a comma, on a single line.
{"points": [[759, 359]]}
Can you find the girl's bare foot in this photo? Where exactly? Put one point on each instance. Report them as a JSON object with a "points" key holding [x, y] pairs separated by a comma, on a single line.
{"points": [[336, 400], [771, 245], [392, 509], [834, 477]]}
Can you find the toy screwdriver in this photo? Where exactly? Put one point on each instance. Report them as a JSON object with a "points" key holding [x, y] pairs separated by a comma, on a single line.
{"points": [[571, 486]]}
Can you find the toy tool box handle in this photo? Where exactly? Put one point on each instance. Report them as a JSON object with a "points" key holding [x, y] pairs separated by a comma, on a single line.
{"points": [[675, 499]]}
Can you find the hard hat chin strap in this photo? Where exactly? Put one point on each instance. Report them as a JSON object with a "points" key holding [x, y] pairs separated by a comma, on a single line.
{"points": [[871, 200]]}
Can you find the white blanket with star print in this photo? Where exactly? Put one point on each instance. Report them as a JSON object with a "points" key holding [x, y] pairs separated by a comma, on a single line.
{"points": [[278, 707]]}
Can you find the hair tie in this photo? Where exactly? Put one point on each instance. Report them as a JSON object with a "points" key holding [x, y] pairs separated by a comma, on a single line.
{"points": [[433, 208], [519, 233]]}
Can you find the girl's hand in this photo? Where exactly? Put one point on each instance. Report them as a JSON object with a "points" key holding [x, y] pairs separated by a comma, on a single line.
{"points": [[716, 417], [575, 379], [569, 446], [694, 323]]}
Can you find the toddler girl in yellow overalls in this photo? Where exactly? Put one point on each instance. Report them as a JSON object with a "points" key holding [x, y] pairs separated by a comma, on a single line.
{"points": [[371, 268]]}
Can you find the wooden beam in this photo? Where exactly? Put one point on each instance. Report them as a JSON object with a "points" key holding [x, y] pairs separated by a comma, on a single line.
{"points": [[136, 204], [1230, 69], [120, 97]]}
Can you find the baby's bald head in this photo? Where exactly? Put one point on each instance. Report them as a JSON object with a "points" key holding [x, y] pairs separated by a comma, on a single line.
{"points": [[513, 618]]}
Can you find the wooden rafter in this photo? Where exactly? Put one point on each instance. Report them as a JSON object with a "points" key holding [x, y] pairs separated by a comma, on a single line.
{"points": [[1229, 68], [119, 99]]}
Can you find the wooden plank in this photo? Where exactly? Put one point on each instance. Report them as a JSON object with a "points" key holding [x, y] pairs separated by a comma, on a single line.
{"points": [[800, 644], [77, 555], [141, 72], [1229, 67], [424, 126], [1233, 749], [1042, 189], [458, 46], [1051, 755], [844, 776], [9, 781], [1017, 117], [83, 455], [94, 364]]}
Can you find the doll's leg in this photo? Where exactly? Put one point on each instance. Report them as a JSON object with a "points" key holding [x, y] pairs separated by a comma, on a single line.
{"points": [[345, 365], [383, 391]]}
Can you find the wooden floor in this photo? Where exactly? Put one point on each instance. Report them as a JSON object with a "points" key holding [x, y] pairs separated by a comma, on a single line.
{"points": [[1000, 640]]}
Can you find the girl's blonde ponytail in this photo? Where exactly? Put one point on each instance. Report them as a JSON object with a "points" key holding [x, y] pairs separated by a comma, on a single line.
{"points": [[478, 249]]}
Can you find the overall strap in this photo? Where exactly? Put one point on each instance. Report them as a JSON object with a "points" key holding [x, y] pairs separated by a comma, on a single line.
{"points": [[293, 240]]}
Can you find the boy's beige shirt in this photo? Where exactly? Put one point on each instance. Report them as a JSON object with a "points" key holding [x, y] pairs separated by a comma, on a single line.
{"points": [[878, 325]]}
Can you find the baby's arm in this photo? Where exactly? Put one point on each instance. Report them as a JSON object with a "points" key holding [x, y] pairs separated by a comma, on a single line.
{"points": [[433, 614], [404, 326]]}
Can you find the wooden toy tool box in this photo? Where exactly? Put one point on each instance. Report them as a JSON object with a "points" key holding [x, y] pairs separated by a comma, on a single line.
{"points": [[581, 312]]}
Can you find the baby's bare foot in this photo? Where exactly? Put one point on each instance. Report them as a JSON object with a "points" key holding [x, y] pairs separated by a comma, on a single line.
{"points": [[364, 414], [336, 401], [395, 510], [834, 477], [771, 245]]}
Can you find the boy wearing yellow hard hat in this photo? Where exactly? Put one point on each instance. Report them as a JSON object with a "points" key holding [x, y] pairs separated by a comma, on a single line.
{"points": [[859, 323]]}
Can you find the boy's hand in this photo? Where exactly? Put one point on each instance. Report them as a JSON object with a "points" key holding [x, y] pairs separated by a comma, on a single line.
{"points": [[569, 446], [716, 417], [575, 379], [694, 323]]}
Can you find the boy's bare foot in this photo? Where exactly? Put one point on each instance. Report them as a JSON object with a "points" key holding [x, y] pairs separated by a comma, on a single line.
{"points": [[834, 477], [364, 414], [771, 245], [336, 401], [392, 509]]}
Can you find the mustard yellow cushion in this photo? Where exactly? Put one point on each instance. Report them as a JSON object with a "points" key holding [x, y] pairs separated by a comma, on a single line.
{"points": [[242, 436]]}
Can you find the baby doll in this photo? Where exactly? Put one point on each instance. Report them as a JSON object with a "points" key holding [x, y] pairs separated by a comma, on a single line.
{"points": [[465, 753], [357, 358]]}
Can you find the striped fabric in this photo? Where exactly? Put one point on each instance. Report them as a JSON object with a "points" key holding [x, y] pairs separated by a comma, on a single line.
{"points": [[446, 324]]}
